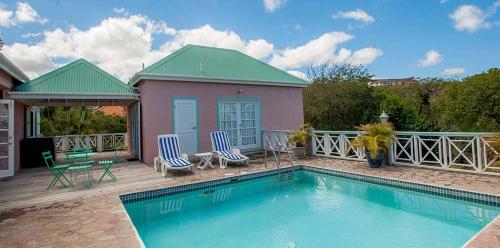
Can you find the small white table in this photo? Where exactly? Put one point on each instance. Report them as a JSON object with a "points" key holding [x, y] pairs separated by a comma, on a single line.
{"points": [[205, 160]]}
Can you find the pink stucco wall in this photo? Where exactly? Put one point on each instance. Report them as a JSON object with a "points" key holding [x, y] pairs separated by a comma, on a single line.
{"points": [[281, 108]]}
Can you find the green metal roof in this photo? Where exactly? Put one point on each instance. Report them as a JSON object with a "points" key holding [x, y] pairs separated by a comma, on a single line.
{"points": [[210, 64], [78, 77]]}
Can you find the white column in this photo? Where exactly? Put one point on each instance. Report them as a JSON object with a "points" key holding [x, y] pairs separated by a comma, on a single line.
{"points": [[27, 120], [37, 122]]}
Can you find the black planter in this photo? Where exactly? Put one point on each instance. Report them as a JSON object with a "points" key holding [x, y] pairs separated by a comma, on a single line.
{"points": [[377, 161]]}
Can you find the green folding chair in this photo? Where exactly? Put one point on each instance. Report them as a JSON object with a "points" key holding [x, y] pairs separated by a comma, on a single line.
{"points": [[57, 170], [106, 165]]}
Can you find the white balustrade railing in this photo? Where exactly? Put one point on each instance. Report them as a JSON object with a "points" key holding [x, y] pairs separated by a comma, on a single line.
{"points": [[99, 142], [456, 151]]}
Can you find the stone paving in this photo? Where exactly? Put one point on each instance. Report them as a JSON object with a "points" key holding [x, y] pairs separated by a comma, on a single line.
{"points": [[96, 218]]}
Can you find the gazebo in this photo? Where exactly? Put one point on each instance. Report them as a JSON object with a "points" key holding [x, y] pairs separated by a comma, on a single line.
{"points": [[79, 83]]}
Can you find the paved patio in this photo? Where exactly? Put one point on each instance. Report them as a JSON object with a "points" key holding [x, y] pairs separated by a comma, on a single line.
{"points": [[33, 217]]}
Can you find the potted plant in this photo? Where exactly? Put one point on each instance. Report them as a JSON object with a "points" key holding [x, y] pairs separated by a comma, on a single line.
{"points": [[298, 138], [376, 139]]}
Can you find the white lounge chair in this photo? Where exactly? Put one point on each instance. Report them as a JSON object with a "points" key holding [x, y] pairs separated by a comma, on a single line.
{"points": [[170, 157], [222, 149]]}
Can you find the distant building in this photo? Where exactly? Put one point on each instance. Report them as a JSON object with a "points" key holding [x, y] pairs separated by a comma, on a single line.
{"points": [[392, 82]]}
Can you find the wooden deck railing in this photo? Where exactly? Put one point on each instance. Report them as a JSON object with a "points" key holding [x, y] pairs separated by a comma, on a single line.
{"points": [[99, 142]]}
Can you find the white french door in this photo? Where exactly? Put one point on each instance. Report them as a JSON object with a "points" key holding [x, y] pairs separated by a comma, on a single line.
{"points": [[240, 120], [6, 138]]}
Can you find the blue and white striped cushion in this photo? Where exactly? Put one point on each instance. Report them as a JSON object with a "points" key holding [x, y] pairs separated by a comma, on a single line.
{"points": [[220, 141], [221, 144], [178, 162], [170, 152], [231, 156]]}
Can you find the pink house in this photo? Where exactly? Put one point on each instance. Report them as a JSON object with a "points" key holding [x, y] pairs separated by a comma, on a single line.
{"points": [[200, 89], [11, 117]]}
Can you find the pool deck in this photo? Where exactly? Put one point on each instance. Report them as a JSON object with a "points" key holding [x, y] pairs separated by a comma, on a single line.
{"points": [[30, 216]]}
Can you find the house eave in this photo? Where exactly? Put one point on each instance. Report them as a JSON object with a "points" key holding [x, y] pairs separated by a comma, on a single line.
{"points": [[12, 69], [138, 77], [38, 95]]}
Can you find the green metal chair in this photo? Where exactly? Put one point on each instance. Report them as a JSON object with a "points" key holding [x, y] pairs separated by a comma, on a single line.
{"points": [[78, 154], [106, 165], [57, 170]]}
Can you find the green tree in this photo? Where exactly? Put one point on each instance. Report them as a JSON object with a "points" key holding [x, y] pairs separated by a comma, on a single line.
{"points": [[471, 105], [79, 120], [339, 97]]}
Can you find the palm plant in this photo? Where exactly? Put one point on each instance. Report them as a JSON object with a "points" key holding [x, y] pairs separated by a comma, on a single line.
{"points": [[375, 137], [299, 136]]}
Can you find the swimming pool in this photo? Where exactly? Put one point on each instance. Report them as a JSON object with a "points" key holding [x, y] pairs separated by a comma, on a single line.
{"points": [[311, 210]]}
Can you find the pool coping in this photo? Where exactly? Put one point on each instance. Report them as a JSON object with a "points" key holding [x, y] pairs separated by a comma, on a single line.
{"points": [[450, 192]]}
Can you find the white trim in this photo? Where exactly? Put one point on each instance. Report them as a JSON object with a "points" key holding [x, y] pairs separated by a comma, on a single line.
{"points": [[12, 69], [10, 169], [138, 77], [36, 95]]}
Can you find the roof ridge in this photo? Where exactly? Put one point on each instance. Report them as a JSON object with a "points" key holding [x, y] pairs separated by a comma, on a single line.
{"points": [[51, 74], [107, 75], [43, 78]]}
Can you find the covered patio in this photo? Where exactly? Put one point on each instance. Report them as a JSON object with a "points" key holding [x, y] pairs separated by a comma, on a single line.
{"points": [[80, 84]]}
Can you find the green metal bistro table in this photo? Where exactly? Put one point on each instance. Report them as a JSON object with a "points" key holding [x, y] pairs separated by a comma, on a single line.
{"points": [[81, 164]]}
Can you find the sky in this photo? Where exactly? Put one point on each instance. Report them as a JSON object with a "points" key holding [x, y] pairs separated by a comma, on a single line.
{"points": [[392, 38]]}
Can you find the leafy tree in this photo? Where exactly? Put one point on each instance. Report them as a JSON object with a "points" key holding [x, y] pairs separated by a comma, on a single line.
{"points": [[471, 105], [79, 120], [339, 97]]}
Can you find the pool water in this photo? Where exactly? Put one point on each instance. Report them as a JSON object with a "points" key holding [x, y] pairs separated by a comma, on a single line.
{"points": [[312, 210]]}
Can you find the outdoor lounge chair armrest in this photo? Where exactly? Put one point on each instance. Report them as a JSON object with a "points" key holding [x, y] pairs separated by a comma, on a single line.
{"points": [[236, 151], [184, 156]]}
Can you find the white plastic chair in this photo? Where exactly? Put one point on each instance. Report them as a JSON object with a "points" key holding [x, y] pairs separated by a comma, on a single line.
{"points": [[170, 157], [222, 149]]}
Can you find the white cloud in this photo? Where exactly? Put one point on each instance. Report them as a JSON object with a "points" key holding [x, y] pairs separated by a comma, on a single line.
{"points": [[6, 17], [272, 5], [432, 57], [122, 11], [121, 44], [471, 18], [315, 52], [299, 74], [33, 60], [30, 35], [323, 50], [358, 15], [365, 56], [453, 71], [25, 13], [208, 36]]}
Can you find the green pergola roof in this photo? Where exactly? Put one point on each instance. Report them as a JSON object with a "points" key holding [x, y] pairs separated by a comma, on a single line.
{"points": [[209, 64], [78, 77]]}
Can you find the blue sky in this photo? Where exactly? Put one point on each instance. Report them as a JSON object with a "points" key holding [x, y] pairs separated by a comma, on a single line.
{"points": [[393, 38]]}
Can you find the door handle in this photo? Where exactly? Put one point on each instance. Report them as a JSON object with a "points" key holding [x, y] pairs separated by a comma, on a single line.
{"points": [[194, 128]]}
